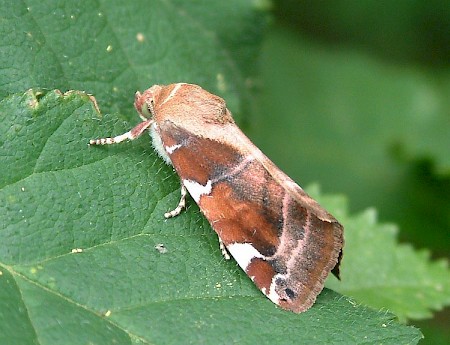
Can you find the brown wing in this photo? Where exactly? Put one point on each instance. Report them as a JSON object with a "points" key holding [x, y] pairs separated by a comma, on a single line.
{"points": [[287, 243]]}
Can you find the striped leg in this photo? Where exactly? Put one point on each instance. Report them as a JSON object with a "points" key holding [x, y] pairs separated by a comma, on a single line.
{"points": [[131, 135], [181, 205], [224, 250]]}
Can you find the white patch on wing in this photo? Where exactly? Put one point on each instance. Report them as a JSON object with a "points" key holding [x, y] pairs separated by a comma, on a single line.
{"points": [[243, 253], [171, 149], [196, 190], [273, 295]]}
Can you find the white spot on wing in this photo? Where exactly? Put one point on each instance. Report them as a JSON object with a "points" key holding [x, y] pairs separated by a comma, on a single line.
{"points": [[196, 190], [171, 149], [243, 253], [273, 295]]}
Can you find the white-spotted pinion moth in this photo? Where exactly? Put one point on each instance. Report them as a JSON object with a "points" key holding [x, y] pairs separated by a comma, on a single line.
{"points": [[282, 238]]}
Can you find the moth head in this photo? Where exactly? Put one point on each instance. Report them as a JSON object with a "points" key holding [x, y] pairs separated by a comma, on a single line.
{"points": [[145, 102], [185, 104]]}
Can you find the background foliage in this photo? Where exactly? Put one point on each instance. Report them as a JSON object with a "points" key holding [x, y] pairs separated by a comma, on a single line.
{"points": [[60, 195]]}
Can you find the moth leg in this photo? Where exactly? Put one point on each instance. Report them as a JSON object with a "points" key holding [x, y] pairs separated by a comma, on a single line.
{"points": [[224, 250], [181, 204], [131, 134]]}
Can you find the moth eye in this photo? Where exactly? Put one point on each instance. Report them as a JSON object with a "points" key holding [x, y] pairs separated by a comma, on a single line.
{"points": [[147, 108], [150, 106]]}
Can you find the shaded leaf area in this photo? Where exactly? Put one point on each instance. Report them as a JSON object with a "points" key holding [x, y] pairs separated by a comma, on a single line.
{"points": [[108, 203], [359, 125], [413, 31]]}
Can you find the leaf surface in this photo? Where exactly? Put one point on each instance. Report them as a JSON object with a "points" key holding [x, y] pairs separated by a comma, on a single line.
{"points": [[79, 257]]}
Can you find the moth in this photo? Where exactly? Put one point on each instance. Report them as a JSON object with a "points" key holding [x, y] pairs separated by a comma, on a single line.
{"points": [[282, 238]]}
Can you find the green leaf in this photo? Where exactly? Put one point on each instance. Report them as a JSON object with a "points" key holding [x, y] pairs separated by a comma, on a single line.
{"points": [[79, 226], [396, 277], [381, 273], [112, 49], [78, 252]]}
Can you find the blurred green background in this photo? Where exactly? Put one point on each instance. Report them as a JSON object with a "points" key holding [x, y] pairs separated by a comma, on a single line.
{"points": [[374, 78]]}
